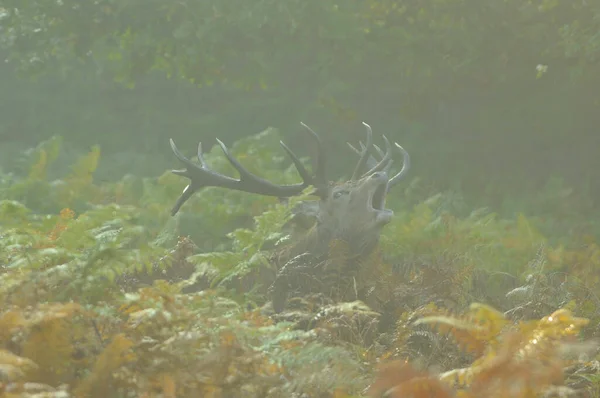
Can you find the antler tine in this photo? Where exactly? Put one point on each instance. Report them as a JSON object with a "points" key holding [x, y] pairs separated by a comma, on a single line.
{"points": [[379, 150], [200, 155], [320, 179], [364, 153], [371, 161], [202, 176], [182, 158], [354, 149], [191, 171], [385, 160], [297, 163], [405, 167]]}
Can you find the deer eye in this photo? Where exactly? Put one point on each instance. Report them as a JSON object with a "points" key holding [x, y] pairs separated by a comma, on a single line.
{"points": [[340, 193]]}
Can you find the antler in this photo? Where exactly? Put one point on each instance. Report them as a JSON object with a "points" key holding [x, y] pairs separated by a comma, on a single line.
{"points": [[202, 176], [385, 164], [364, 153]]}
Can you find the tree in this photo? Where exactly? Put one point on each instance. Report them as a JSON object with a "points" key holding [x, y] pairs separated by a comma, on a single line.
{"points": [[269, 42]]}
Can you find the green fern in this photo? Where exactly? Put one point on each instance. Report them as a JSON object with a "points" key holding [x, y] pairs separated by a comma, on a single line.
{"points": [[247, 244]]}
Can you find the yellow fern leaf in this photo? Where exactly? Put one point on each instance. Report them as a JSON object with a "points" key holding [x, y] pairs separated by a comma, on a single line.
{"points": [[49, 345], [474, 331], [14, 367], [115, 355], [9, 321]]}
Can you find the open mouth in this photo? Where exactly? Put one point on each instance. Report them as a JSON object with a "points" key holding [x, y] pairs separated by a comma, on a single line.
{"points": [[378, 198]]}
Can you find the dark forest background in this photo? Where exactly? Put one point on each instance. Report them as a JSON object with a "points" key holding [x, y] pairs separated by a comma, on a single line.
{"points": [[496, 100]]}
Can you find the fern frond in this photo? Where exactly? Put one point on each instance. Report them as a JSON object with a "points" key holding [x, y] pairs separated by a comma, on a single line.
{"points": [[474, 331]]}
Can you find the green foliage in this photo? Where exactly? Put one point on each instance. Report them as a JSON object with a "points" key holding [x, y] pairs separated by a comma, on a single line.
{"points": [[65, 257], [200, 41], [75, 320], [481, 240], [75, 190], [448, 72], [247, 252], [114, 230]]}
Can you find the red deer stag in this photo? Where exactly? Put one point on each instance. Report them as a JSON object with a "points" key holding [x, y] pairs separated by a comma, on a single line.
{"points": [[352, 212]]}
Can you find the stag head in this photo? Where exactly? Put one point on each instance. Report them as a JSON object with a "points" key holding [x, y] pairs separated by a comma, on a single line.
{"points": [[353, 211]]}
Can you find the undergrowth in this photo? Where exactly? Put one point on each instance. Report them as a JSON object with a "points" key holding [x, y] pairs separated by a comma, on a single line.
{"points": [[97, 300]]}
